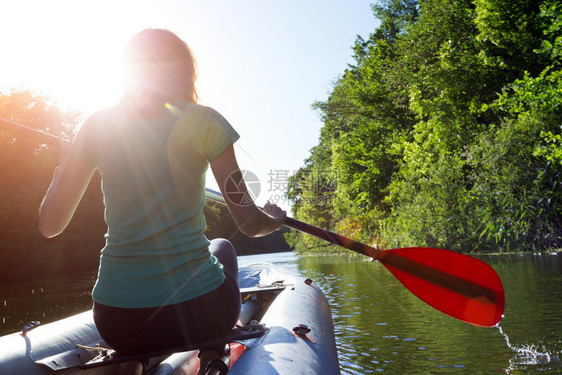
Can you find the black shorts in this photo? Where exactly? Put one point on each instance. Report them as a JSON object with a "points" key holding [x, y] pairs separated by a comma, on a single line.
{"points": [[142, 330]]}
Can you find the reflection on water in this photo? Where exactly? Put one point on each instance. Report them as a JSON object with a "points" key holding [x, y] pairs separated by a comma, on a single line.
{"points": [[380, 326], [44, 300]]}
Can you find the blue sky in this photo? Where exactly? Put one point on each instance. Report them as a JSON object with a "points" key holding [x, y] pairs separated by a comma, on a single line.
{"points": [[262, 63]]}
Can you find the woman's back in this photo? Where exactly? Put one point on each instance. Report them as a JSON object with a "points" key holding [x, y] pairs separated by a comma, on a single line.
{"points": [[153, 178]]}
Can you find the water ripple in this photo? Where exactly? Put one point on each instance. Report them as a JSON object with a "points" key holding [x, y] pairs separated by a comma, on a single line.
{"points": [[381, 327]]}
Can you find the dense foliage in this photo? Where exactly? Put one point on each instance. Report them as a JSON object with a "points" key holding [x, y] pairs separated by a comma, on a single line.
{"points": [[445, 132], [26, 169]]}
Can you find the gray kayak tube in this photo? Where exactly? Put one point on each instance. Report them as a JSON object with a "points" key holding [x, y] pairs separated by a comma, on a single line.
{"points": [[281, 350]]}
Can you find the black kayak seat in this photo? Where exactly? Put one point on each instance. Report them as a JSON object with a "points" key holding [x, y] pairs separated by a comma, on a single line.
{"points": [[240, 333]]}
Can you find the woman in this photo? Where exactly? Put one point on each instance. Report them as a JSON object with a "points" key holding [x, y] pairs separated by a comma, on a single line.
{"points": [[161, 283]]}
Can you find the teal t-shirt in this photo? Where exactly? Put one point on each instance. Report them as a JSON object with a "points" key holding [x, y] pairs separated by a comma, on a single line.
{"points": [[153, 182]]}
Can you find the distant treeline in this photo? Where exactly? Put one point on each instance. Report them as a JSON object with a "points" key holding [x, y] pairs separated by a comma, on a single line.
{"points": [[26, 169], [445, 132]]}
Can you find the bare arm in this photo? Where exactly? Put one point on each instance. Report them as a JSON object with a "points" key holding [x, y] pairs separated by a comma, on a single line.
{"points": [[252, 221], [69, 183]]}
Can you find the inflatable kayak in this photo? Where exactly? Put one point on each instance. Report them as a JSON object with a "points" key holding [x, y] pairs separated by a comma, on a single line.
{"points": [[285, 327]]}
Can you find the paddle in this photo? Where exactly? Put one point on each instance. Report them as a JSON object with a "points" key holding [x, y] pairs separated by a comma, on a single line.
{"points": [[456, 284]]}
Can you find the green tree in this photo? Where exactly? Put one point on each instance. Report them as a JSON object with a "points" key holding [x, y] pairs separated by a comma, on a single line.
{"points": [[433, 198], [423, 151], [519, 161], [363, 117], [25, 173]]}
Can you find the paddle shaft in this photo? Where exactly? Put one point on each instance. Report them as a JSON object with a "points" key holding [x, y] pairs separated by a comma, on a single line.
{"points": [[29, 133], [334, 238], [386, 257]]}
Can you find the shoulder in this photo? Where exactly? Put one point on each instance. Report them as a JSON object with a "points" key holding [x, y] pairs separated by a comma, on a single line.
{"points": [[200, 111], [101, 124], [197, 117], [102, 117]]}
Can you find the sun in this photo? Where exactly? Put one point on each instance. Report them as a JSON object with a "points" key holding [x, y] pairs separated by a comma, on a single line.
{"points": [[63, 50], [86, 81]]}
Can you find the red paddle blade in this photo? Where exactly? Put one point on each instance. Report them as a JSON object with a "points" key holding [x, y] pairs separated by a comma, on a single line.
{"points": [[458, 285]]}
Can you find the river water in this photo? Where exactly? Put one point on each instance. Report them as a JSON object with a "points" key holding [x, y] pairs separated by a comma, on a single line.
{"points": [[380, 326]]}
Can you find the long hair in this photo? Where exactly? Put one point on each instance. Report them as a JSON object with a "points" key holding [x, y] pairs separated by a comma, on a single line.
{"points": [[158, 62]]}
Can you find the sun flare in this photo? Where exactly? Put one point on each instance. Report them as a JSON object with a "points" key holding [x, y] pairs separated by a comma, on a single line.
{"points": [[63, 51]]}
